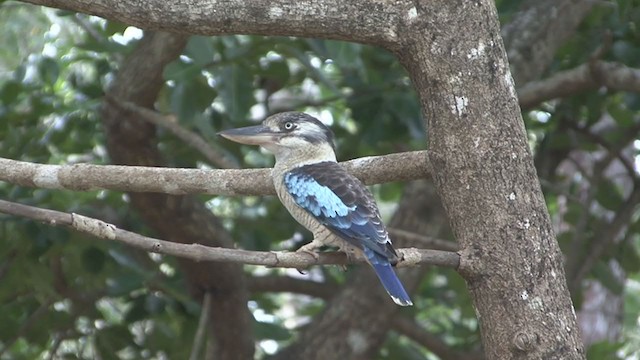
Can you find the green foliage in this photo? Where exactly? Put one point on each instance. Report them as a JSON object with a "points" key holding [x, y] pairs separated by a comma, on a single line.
{"points": [[108, 301]]}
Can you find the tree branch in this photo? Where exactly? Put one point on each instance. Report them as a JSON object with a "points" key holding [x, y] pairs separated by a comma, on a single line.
{"points": [[585, 77], [428, 241], [190, 138], [605, 236], [201, 331], [198, 252], [84, 177], [534, 34], [374, 22], [409, 328]]}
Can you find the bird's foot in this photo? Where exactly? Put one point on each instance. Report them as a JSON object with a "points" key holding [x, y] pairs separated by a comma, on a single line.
{"points": [[310, 249], [350, 254]]}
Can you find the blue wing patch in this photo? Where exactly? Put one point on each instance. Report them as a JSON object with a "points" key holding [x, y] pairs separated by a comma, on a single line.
{"points": [[342, 203], [315, 198]]}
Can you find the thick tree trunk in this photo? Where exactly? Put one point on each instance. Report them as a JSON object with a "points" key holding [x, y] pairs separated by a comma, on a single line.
{"points": [[488, 184]]}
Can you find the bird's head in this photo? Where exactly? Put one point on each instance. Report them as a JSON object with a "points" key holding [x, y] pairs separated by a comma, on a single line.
{"points": [[289, 136]]}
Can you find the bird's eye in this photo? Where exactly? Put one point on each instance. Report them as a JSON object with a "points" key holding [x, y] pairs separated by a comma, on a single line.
{"points": [[289, 125]]}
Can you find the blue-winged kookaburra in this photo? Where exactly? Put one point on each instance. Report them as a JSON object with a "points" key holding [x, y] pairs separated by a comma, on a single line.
{"points": [[331, 203]]}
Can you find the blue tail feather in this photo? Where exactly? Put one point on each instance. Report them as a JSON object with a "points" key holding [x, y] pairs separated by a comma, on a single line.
{"points": [[392, 284]]}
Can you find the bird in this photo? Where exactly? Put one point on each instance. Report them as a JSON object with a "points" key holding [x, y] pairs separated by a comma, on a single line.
{"points": [[321, 195]]}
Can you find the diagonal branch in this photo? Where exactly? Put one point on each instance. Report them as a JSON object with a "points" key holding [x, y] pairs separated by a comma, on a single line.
{"points": [[213, 156], [427, 241], [199, 252], [409, 328], [537, 30], [603, 239], [84, 177], [585, 77]]}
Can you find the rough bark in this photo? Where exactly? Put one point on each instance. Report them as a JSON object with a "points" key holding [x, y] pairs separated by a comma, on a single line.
{"points": [[510, 258], [183, 219]]}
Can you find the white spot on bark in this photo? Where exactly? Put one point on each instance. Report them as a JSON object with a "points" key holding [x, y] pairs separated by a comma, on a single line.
{"points": [[412, 13], [171, 187], [525, 224], [476, 142], [435, 48], [362, 162], [536, 303], [275, 12], [95, 227], [508, 80], [476, 52], [47, 177], [553, 274], [460, 105], [514, 156], [512, 196], [524, 295]]}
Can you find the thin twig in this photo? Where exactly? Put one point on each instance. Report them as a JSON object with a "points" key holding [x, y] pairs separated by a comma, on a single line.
{"points": [[57, 341], [202, 327], [428, 241], [198, 252], [215, 157]]}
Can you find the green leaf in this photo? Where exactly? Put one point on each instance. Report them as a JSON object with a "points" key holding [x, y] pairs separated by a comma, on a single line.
{"points": [[604, 350], [110, 340], [200, 50], [236, 91], [115, 27], [181, 71], [607, 278], [93, 259], [10, 91], [48, 70], [609, 196], [191, 98], [346, 54], [264, 330], [629, 257], [137, 311]]}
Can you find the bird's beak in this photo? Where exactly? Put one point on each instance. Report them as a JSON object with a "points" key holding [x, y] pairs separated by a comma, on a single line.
{"points": [[251, 135]]}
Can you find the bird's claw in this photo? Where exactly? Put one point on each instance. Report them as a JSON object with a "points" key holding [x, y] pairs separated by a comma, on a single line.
{"points": [[308, 250]]}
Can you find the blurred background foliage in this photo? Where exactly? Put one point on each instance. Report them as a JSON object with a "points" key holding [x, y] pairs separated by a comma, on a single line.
{"points": [[81, 298]]}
